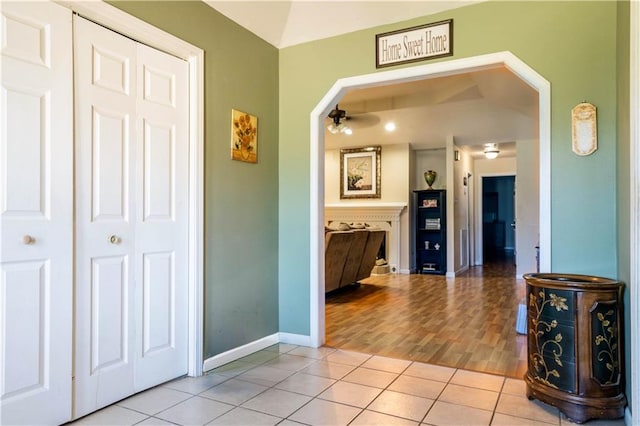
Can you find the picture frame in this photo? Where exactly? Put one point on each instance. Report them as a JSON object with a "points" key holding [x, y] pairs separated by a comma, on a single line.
{"points": [[584, 129], [244, 137], [428, 41], [430, 203], [360, 172]]}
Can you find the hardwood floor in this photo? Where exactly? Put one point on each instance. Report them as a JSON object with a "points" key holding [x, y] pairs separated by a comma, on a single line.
{"points": [[467, 322]]}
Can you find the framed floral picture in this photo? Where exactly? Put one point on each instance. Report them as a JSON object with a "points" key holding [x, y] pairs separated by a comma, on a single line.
{"points": [[244, 137], [430, 203], [360, 172]]}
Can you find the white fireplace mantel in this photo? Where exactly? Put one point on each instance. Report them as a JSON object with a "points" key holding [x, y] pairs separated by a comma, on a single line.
{"points": [[383, 215], [380, 212]]}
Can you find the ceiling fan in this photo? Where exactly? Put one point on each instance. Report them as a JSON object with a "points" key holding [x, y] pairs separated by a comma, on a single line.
{"points": [[338, 116], [336, 126]]}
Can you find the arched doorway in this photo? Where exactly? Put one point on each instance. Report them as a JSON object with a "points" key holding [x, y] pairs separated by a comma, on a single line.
{"points": [[440, 69]]}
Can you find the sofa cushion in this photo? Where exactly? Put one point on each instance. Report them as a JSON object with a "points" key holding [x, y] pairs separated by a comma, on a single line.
{"points": [[337, 245], [354, 257], [370, 253]]}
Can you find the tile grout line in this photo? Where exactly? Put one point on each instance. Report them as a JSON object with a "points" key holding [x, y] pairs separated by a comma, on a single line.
{"points": [[495, 407]]}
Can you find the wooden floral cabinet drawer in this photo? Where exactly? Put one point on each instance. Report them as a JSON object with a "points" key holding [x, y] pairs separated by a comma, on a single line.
{"points": [[575, 344], [551, 337]]}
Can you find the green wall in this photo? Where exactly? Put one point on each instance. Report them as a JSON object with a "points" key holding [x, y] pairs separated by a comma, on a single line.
{"points": [[241, 199], [571, 44], [624, 173], [257, 216]]}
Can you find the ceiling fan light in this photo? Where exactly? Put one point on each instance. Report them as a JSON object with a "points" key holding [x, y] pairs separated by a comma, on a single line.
{"points": [[491, 151], [336, 126]]}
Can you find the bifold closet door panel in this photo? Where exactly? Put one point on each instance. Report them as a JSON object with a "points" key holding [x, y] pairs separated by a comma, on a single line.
{"points": [[36, 214], [105, 108], [162, 223]]}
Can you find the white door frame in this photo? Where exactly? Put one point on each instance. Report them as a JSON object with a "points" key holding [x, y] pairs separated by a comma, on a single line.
{"points": [[119, 21], [634, 284], [439, 69]]}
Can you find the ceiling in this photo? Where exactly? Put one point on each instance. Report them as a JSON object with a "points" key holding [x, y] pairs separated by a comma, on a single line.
{"points": [[488, 106], [286, 23]]}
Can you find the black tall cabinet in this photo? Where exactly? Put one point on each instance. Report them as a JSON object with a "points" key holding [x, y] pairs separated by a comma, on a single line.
{"points": [[431, 231]]}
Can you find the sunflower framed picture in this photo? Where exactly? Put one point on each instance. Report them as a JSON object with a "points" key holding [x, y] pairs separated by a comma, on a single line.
{"points": [[244, 137]]}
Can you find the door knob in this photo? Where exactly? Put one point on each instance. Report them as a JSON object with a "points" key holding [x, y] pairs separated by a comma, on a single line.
{"points": [[28, 239], [114, 239]]}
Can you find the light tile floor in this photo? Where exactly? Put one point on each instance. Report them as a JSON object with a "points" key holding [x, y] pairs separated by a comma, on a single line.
{"points": [[293, 385]]}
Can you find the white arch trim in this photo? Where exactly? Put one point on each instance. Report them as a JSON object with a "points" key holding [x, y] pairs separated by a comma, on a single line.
{"points": [[456, 66]]}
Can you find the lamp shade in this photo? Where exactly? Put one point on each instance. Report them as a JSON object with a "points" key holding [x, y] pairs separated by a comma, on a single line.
{"points": [[491, 151], [339, 128]]}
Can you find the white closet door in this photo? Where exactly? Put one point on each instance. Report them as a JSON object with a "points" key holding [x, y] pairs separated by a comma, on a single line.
{"points": [[132, 201], [36, 214], [162, 217], [105, 104]]}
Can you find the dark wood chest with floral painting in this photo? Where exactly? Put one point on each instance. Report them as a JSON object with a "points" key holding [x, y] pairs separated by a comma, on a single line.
{"points": [[575, 345]]}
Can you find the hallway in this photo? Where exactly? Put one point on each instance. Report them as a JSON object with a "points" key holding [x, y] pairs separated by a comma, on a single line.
{"points": [[464, 322]]}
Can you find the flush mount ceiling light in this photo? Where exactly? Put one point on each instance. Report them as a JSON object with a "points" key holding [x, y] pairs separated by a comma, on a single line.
{"points": [[336, 126], [390, 126], [491, 150]]}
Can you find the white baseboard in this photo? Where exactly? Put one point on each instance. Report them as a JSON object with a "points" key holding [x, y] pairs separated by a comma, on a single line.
{"points": [[399, 271], [241, 351], [255, 346], [295, 339]]}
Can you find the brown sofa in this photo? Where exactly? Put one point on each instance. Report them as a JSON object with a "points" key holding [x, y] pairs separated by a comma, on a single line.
{"points": [[350, 255]]}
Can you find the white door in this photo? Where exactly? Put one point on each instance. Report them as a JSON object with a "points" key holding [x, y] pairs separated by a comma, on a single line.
{"points": [[131, 217], [105, 84], [36, 214], [161, 227]]}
